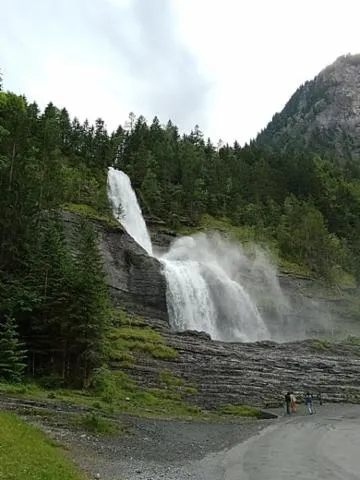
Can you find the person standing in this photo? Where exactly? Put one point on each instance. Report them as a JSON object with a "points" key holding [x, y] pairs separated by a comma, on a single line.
{"points": [[309, 403], [287, 402], [293, 402]]}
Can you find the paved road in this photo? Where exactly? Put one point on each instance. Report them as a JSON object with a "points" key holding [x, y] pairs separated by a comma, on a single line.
{"points": [[324, 446]]}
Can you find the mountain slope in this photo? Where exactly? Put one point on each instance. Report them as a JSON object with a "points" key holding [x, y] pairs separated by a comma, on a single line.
{"points": [[323, 115]]}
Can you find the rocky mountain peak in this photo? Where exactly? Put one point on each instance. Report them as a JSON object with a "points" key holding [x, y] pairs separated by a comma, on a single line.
{"points": [[323, 115]]}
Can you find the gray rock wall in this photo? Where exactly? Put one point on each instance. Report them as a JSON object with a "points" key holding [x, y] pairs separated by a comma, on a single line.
{"points": [[257, 374]]}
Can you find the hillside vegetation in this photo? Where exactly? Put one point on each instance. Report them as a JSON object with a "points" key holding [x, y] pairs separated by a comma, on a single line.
{"points": [[322, 116], [55, 313]]}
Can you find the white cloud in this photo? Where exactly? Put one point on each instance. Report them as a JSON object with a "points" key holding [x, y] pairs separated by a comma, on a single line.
{"points": [[228, 65]]}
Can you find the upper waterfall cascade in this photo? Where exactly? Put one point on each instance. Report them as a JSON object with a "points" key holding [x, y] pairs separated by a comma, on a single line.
{"points": [[205, 291], [126, 208]]}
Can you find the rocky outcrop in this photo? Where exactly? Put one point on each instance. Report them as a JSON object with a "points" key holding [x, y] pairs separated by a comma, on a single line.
{"points": [[135, 280], [257, 373], [323, 114]]}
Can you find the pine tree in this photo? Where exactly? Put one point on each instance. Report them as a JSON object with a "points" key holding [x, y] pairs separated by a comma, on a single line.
{"points": [[89, 317], [12, 353]]}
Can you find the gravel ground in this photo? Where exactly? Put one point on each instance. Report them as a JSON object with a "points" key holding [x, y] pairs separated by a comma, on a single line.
{"points": [[158, 449], [327, 446], [151, 449]]}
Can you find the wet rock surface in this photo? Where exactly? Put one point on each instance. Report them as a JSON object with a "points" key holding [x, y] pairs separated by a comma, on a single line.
{"points": [[256, 374]]}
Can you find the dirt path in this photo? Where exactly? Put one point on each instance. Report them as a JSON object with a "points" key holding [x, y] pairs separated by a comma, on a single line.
{"points": [[156, 449], [150, 448], [324, 446]]}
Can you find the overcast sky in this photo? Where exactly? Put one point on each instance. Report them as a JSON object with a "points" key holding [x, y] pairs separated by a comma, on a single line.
{"points": [[227, 65]]}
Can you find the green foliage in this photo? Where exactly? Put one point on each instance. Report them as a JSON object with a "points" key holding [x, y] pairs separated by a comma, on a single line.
{"points": [[108, 384], [353, 340], [19, 388], [26, 454], [176, 383], [239, 410], [90, 212], [95, 423], [12, 353], [121, 392], [90, 323], [320, 344], [131, 334], [42, 286], [142, 339], [302, 234], [171, 380]]}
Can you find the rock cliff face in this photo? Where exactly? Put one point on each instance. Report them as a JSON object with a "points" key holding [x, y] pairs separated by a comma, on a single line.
{"points": [[258, 373], [255, 373], [135, 279], [323, 114]]}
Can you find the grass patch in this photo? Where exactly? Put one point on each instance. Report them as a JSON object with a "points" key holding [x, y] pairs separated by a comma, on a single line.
{"points": [[123, 394], [19, 389], [131, 334], [342, 279], [174, 382], [142, 339], [90, 212], [291, 268], [94, 423], [353, 340], [27, 454], [171, 380], [115, 391], [243, 234], [239, 410], [320, 344]]}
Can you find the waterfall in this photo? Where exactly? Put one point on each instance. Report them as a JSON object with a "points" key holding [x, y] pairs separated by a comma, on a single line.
{"points": [[200, 272], [188, 297], [204, 292], [126, 208]]}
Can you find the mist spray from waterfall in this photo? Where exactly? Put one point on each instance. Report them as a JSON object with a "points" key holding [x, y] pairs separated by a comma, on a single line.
{"points": [[205, 275]]}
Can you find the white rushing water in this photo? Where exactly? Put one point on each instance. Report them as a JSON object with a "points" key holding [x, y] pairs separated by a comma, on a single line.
{"points": [[221, 306], [204, 290], [126, 208]]}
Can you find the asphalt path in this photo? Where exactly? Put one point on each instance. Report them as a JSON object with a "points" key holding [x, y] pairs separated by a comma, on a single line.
{"points": [[323, 446]]}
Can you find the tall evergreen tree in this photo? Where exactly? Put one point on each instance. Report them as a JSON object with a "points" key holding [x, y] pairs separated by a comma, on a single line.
{"points": [[12, 352], [90, 314]]}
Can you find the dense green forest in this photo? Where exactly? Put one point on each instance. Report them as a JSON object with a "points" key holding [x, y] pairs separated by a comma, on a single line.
{"points": [[54, 306]]}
